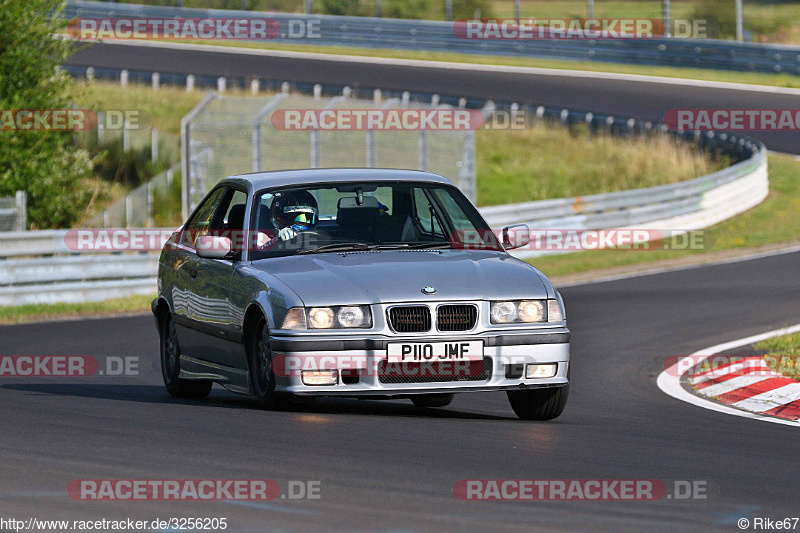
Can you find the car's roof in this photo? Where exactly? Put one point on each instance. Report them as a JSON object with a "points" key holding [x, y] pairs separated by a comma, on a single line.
{"points": [[281, 178]]}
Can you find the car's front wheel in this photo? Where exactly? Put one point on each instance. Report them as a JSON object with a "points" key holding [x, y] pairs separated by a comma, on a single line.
{"points": [[171, 365], [262, 375], [539, 404], [432, 400]]}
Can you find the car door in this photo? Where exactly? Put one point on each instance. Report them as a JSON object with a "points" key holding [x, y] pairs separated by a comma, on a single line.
{"points": [[211, 315], [183, 262]]}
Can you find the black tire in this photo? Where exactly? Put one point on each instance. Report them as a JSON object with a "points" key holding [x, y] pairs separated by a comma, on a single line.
{"points": [[539, 404], [432, 400], [262, 376], [171, 366]]}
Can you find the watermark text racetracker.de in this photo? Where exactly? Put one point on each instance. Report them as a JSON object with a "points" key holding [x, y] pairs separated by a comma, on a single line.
{"points": [[192, 490], [577, 28], [121, 524], [579, 489], [733, 119], [545, 240], [68, 366], [75, 120], [212, 28]]}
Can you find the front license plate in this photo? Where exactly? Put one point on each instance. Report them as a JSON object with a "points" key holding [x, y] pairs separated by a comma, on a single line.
{"points": [[409, 352]]}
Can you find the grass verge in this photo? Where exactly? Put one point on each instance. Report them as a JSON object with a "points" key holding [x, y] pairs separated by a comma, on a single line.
{"points": [[782, 354], [42, 312], [775, 221]]}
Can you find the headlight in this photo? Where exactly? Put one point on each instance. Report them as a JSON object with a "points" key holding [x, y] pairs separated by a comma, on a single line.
{"points": [[344, 317], [526, 312], [531, 311], [503, 312], [320, 318]]}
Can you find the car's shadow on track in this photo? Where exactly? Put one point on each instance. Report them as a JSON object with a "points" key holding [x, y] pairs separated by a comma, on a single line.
{"points": [[219, 398]]}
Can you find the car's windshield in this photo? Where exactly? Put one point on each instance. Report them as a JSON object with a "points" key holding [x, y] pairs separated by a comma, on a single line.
{"points": [[335, 217]]}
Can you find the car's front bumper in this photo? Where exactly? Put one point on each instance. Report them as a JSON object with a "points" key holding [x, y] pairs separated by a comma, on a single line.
{"points": [[365, 354]]}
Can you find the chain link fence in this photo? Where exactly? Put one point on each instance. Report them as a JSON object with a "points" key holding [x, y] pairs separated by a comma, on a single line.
{"points": [[225, 136], [143, 207]]}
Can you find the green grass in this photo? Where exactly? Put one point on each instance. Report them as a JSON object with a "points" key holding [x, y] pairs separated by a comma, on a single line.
{"points": [[40, 312], [165, 107], [775, 221], [782, 354]]}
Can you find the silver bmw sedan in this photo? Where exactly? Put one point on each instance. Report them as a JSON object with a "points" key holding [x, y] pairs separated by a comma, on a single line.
{"points": [[356, 283]]}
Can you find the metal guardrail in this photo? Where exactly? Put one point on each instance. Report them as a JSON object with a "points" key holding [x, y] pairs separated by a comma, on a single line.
{"points": [[439, 36]]}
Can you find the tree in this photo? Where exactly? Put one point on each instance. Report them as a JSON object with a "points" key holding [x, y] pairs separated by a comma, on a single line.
{"points": [[46, 164]]}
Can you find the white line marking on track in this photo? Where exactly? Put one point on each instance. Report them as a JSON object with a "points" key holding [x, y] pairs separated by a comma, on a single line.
{"points": [[771, 399], [669, 381]]}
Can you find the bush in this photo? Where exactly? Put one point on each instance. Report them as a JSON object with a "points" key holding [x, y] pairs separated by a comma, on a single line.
{"points": [[343, 7], [721, 17], [47, 165]]}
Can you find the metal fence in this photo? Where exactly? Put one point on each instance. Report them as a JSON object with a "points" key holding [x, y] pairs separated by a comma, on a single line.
{"points": [[440, 36], [137, 208], [14, 212], [225, 136]]}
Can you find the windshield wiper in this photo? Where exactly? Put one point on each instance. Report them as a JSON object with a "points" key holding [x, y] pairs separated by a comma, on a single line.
{"points": [[337, 247], [433, 244]]}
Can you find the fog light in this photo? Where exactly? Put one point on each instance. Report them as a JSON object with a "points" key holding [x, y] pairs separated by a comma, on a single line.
{"points": [[541, 371], [320, 377]]}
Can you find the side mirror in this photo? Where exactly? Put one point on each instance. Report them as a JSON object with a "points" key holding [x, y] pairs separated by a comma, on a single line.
{"points": [[213, 247], [516, 236]]}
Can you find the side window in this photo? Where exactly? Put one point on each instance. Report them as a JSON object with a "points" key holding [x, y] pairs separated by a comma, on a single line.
{"points": [[200, 223], [234, 215], [429, 223]]}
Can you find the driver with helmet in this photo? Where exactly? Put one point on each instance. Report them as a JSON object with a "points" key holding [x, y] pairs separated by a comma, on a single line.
{"points": [[292, 212]]}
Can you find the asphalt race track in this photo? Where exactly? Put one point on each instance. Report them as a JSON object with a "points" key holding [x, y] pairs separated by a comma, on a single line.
{"points": [[646, 100], [384, 466]]}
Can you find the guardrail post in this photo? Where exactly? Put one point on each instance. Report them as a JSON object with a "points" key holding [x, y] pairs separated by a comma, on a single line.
{"points": [[123, 78], [255, 86], [21, 200], [222, 84], [317, 91], [90, 74], [448, 9], [105, 218], [285, 87], [377, 96], [405, 98], [155, 80], [190, 83], [347, 91], [462, 103], [666, 17]]}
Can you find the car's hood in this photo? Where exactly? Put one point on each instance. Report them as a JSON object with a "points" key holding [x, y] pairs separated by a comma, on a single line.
{"points": [[399, 276]]}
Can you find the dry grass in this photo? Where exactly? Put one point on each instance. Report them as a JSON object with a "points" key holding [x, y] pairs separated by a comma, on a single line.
{"points": [[554, 162]]}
